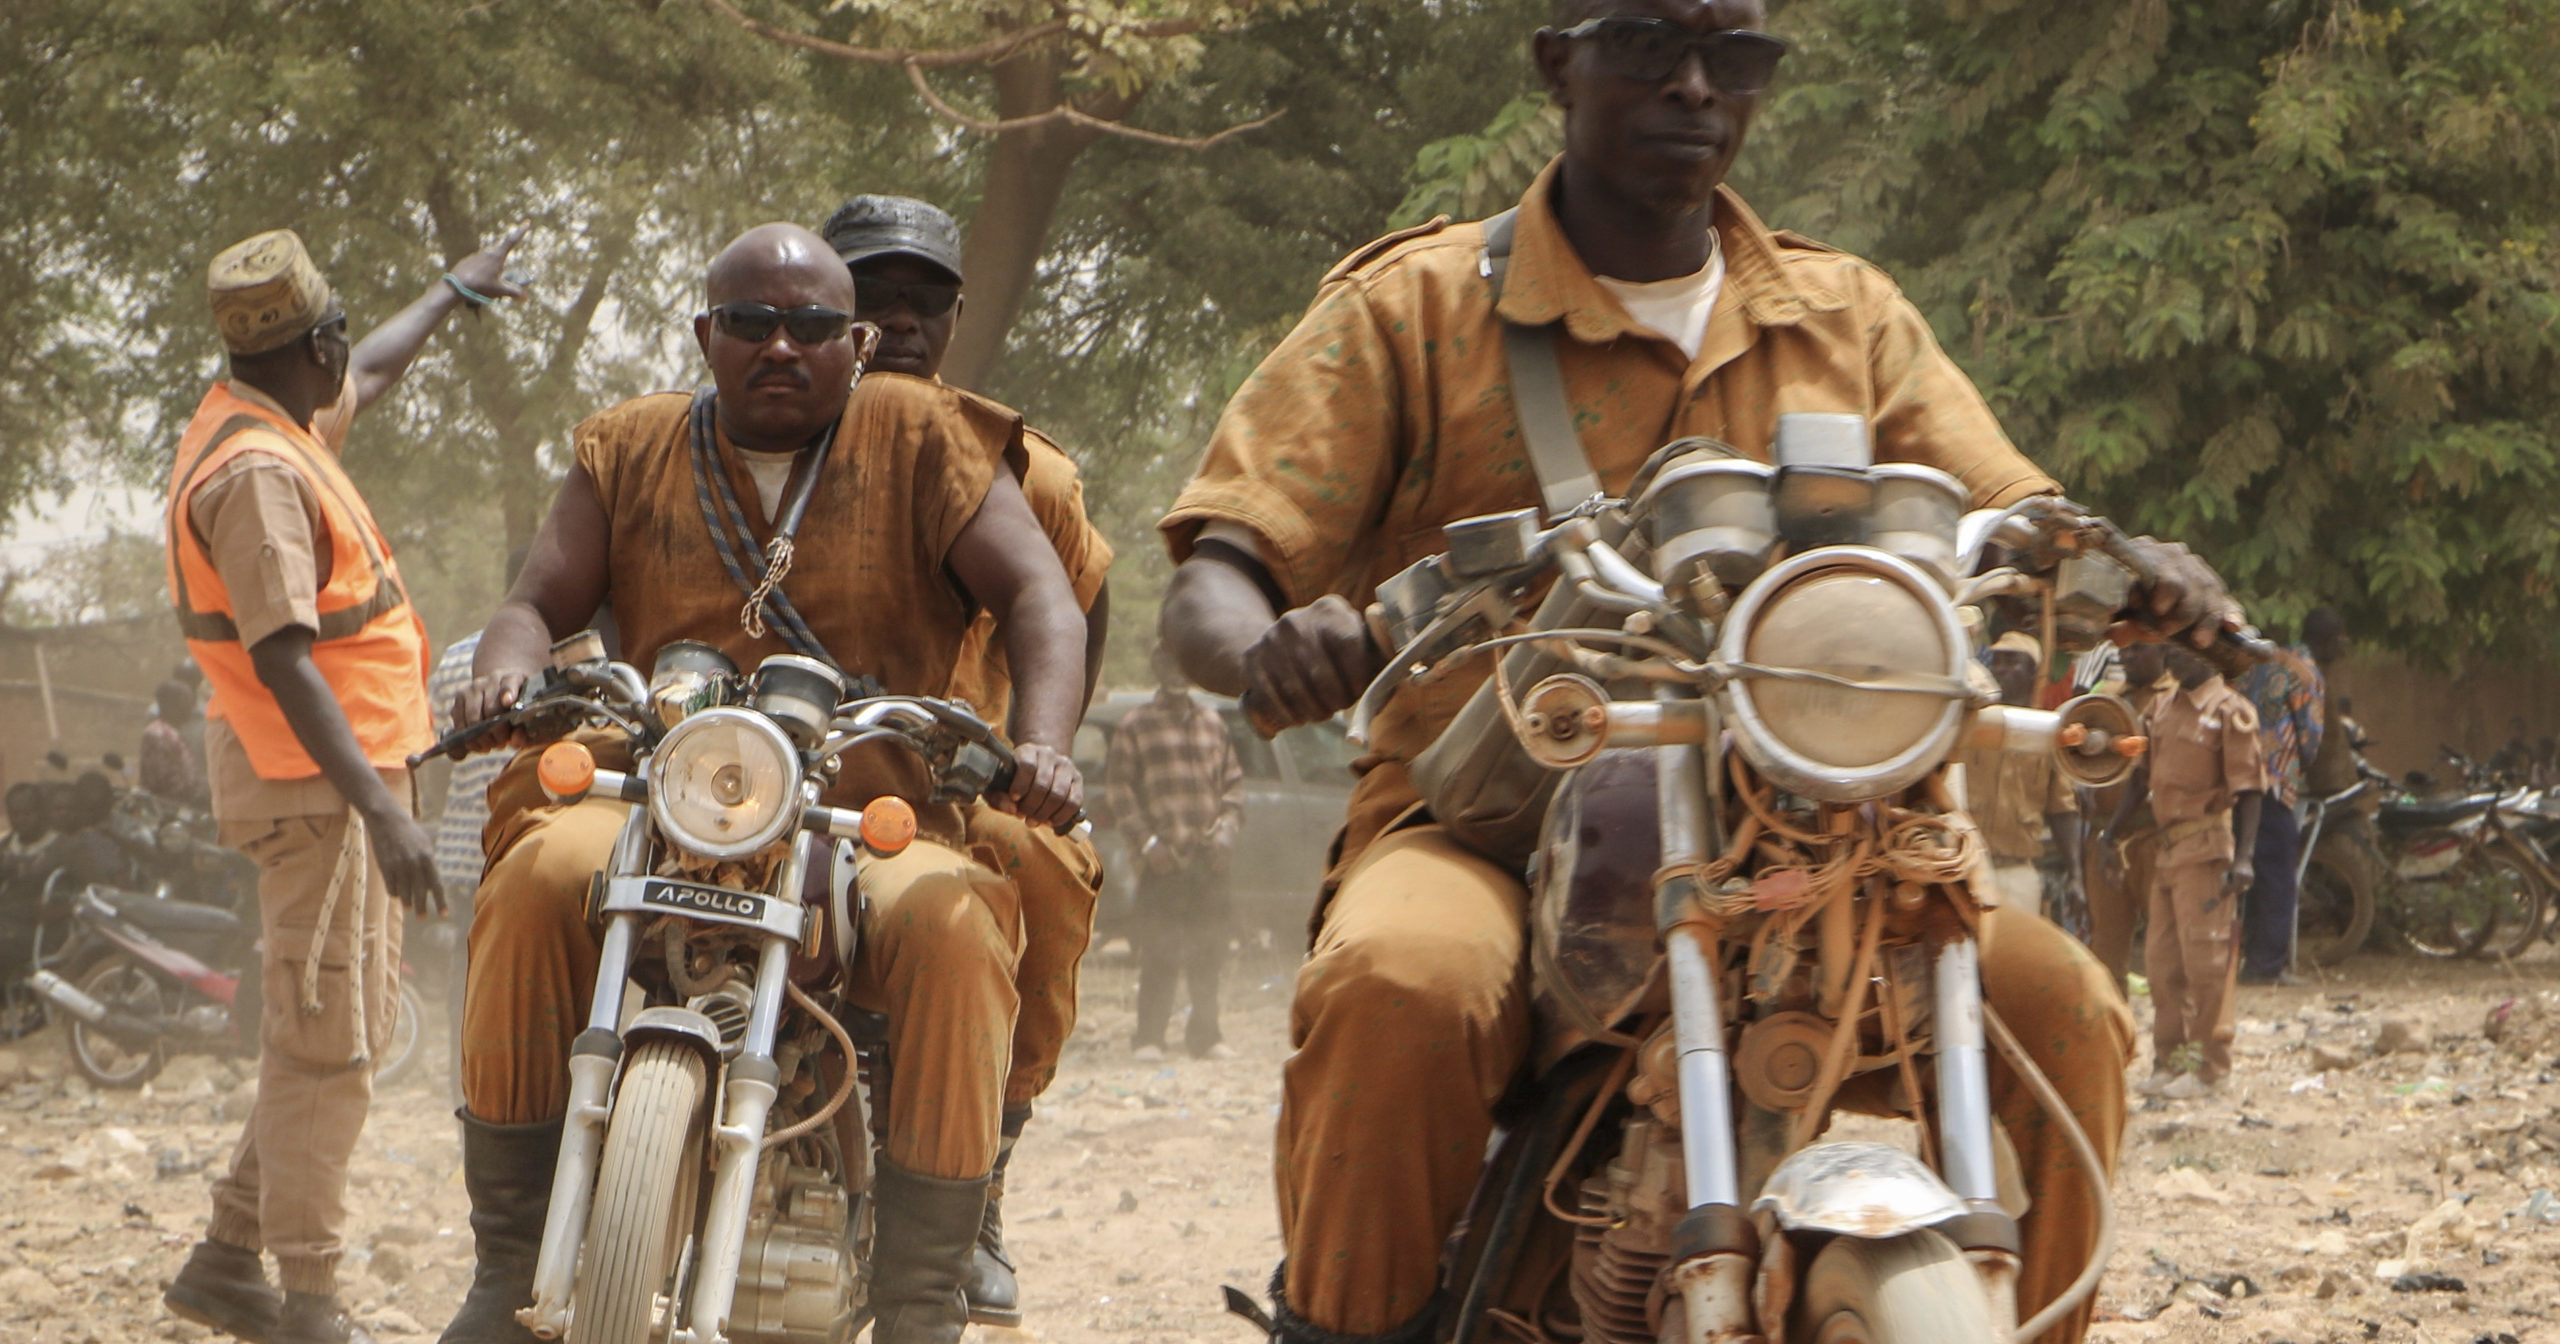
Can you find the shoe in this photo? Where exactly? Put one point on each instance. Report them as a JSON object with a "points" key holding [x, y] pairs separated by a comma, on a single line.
{"points": [[224, 1287], [316, 1318], [506, 1170], [995, 1296], [926, 1232], [1221, 1050], [2157, 1083], [2277, 980], [2189, 1087], [1282, 1325], [1148, 1054]]}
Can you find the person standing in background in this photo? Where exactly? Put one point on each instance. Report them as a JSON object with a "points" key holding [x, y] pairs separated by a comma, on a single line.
{"points": [[2024, 804], [2287, 694], [169, 768], [2127, 857], [290, 601], [1177, 790], [2205, 776]]}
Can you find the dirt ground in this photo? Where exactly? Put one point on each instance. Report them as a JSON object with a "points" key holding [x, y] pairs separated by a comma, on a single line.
{"points": [[2332, 1194]]}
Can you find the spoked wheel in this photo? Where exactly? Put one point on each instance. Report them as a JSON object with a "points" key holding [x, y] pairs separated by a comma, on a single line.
{"points": [[402, 1053], [123, 987], [2516, 898], [2453, 914], [642, 1213], [1912, 1289], [2337, 904]]}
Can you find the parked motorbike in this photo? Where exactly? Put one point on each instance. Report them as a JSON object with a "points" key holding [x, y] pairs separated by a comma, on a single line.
{"points": [[716, 1165], [1755, 888], [2458, 875], [142, 976]]}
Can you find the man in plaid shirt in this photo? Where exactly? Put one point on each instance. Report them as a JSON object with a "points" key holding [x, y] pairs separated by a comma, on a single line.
{"points": [[1177, 791]]}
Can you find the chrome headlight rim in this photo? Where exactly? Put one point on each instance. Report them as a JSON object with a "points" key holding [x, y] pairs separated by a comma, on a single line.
{"points": [[759, 729], [1793, 770]]}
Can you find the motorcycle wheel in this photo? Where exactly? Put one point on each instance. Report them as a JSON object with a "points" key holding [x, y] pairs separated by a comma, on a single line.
{"points": [[1912, 1289], [405, 1035], [632, 1233], [2454, 914], [2517, 903], [2337, 903], [117, 982]]}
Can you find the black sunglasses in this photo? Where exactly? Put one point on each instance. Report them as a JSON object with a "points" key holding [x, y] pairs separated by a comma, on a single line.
{"points": [[755, 323], [929, 298], [1737, 60], [334, 329]]}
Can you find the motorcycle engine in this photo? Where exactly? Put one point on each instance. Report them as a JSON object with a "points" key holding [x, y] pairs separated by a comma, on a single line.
{"points": [[796, 1276], [1618, 1264]]}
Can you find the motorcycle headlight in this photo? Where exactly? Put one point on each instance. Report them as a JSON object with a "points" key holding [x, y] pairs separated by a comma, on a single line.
{"points": [[1845, 614], [725, 783]]}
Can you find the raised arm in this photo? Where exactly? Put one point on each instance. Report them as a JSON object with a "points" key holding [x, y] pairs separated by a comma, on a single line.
{"points": [[382, 358]]}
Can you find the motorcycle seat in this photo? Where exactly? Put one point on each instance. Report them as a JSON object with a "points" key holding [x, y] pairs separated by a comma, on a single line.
{"points": [[2430, 812], [170, 917]]}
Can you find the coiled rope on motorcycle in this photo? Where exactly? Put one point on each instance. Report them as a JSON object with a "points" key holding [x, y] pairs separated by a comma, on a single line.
{"points": [[844, 1086], [2087, 1155]]}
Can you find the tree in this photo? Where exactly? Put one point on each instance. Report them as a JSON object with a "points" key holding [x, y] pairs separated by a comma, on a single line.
{"points": [[2276, 279]]}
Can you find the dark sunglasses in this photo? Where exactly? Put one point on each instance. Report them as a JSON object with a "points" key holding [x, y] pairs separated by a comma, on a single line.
{"points": [[333, 329], [928, 298], [1737, 60], [755, 323]]}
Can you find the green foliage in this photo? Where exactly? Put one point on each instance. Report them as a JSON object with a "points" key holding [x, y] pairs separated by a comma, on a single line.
{"points": [[1472, 176]]}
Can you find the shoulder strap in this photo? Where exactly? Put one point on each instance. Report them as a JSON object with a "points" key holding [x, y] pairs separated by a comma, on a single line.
{"points": [[1565, 477]]}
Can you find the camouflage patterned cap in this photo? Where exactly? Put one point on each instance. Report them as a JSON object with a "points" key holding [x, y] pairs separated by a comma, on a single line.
{"points": [[266, 291]]}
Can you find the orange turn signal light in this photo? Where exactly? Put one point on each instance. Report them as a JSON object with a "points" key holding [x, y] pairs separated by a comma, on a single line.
{"points": [[567, 770], [888, 825]]}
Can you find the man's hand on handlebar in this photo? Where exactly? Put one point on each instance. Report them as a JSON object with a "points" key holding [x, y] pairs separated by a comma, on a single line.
{"points": [[1311, 664], [2185, 599], [1047, 788], [486, 698]]}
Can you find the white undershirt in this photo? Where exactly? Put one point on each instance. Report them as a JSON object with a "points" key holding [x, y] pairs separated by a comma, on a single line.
{"points": [[1677, 308], [772, 474]]}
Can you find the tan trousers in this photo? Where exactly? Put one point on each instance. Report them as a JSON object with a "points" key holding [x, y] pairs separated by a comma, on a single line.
{"points": [[1412, 1014], [2190, 954], [2116, 907], [1060, 878], [286, 1189], [941, 939]]}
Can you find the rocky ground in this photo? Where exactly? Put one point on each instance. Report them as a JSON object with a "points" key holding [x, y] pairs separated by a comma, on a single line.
{"points": [[2380, 1170]]}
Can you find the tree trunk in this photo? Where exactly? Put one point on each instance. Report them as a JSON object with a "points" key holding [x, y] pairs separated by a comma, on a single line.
{"points": [[1026, 174]]}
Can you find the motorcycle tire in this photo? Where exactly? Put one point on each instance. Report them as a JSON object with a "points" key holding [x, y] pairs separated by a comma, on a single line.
{"points": [[2519, 899], [406, 1034], [118, 982], [1916, 1288], [2337, 903], [633, 1237], [2450, 915]]}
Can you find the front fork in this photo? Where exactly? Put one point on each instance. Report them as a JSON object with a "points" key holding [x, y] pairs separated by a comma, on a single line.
{"points": [[751, 1083]]}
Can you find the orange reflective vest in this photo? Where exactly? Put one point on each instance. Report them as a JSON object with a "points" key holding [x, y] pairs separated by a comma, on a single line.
{"points": [[371, 647]]}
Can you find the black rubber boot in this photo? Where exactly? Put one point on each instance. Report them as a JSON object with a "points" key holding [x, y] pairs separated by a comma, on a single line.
{"points": [[506, 1169], [316, 1318], [1285, 1326], [224, 1287], [994, 1297], [926, 1229]]}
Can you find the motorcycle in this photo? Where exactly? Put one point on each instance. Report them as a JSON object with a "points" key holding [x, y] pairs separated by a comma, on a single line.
{"points": [[716, 1166], [2462, 875], [1754, 888], [142, 976]]}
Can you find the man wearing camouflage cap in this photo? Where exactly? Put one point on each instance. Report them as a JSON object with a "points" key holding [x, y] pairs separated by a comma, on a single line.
{"points": [[905, 258], [290, 601]]}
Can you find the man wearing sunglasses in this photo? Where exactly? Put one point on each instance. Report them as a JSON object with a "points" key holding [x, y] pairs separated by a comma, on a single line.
{"points": [[914, 522], [292, 605], [905, 258], [1389, 412]]}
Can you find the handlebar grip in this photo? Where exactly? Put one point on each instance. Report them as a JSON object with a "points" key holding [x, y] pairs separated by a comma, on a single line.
{"points": [[1258, 712], [451, 744]]}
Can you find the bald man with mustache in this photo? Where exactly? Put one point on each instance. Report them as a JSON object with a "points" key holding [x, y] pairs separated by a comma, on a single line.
{"points": [[915, 522]]}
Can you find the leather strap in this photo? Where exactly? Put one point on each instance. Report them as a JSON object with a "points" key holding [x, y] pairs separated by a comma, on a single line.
{"points": [[1565, 477]]}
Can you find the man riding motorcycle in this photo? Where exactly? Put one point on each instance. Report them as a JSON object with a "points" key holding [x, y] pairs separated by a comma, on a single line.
{"points": [[1389, 412], [916, 522]]}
